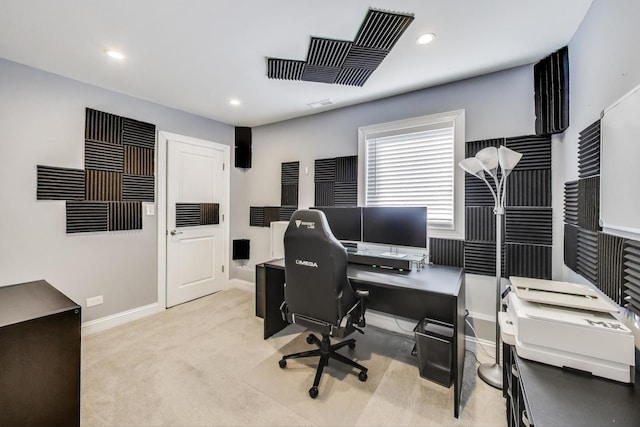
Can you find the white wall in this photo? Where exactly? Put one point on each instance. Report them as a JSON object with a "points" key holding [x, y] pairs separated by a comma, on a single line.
{"points": [[42, 123], [603, 66], [497, 105]]}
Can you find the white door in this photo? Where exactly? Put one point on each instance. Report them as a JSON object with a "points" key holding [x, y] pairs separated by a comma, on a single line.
{"points": [[197, 189]]}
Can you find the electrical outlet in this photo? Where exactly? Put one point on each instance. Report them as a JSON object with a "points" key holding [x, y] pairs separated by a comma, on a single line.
{"points": [[93, 301], [150, 210]]}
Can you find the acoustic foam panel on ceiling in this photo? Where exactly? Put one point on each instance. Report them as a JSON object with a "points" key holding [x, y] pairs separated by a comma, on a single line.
{"points": [[610, 272], [241, 249], [529, 188], [324, 194], [589, 203], [571, 247], [472, 147], [480, 258], [353, 76], [446, 252], [529, 226], [381, 30], [138, 188], [571, 202], [364, 58], [103, 156], [535, 150], [138, 161], [327, 52], [528, 261], [125, 216], [104, 186], [480, 223], [589, 151], [631, 279], [551, 93], [587, 255], [60, 183], [320, 74], [102, 127], [84, 217], [139, 134], [284, 69]]}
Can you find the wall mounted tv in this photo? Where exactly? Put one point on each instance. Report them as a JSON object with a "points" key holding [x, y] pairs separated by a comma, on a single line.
{"points": [[395, 226], [345, 223]]}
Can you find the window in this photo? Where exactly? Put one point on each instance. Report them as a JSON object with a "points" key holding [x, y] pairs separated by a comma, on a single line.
{"points": [[413, 162]]}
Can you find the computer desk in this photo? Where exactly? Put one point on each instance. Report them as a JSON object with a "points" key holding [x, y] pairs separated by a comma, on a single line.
{"points": [[436, 292]]}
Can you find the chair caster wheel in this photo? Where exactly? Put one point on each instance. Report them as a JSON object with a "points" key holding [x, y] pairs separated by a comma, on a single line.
{"points": [[351, 345], [313, 392], [362, 376], [282, 363], [311, 339]]}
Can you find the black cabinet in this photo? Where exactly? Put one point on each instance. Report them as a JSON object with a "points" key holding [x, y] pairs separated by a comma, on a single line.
{"points": [[39, 356], [542, 395]]}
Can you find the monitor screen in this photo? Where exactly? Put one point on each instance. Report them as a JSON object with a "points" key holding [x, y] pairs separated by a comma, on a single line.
{"points": [[345, 223], [396, 226]]}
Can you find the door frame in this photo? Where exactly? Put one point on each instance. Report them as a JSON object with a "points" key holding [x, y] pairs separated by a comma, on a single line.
{"points": [[163, 141]]}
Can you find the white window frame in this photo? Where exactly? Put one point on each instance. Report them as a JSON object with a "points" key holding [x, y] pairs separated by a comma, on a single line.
{"points": [[418, 124]]}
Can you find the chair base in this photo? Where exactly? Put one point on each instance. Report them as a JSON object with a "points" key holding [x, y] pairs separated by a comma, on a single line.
{"points": [[325, 351]]}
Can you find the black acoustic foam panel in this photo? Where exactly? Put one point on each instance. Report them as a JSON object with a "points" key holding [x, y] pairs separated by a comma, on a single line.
{"points": [[286, 212], [241, 249], [84, 217], [551, 87], [138, 188], [571, 202], [535, 150], [587, 255], [209, 213], [139, 134], [480, 224], [476, 192], [346, 193], [589, 203], [104, 157], [102, 127], [610, 255], [125, 216], [480, 258], [60, 183], [589, 151], [103, 185], [325, 170], [347, 169], [446, 252], [138, 160], [289, 177], [529, 188], [256, 216], [571, 247], [195, 214], [529, 226], [528, 261], [336, 181], [324, 194], [631, 280], [342, 61], [472, 147]]}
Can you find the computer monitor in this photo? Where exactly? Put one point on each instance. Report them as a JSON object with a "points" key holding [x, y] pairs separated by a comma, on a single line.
{"points": [[345, 222], [395, 226]]}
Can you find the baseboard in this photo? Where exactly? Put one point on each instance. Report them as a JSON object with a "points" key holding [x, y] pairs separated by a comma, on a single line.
{"points": [[108, 322], [242, 284], [483, 316], [389, 323]]}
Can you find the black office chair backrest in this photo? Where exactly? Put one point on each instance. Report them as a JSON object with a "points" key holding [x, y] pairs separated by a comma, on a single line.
{"points": [[315, 269]]}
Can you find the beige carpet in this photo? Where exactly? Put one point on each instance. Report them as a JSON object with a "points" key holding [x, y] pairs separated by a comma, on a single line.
{"points": [[205, 363]]}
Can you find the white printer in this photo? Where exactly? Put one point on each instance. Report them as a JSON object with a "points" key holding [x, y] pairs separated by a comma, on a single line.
{"points": [[567, 325]]}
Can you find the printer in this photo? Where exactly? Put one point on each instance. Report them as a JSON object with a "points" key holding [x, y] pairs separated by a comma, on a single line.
{"points": [[567, 325]]}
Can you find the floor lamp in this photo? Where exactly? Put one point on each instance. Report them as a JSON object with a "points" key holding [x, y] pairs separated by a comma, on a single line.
{"points": [[487, 160]]}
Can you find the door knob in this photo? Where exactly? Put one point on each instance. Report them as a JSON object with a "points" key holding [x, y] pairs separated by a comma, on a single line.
{"points": [[174, 232]]}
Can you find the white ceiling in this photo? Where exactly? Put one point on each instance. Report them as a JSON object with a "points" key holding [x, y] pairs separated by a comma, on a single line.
{"points": [[195, 55]]}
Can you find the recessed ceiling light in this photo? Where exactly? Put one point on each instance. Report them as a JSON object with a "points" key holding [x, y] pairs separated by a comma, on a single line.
{"points": [[115, 54], [426, 38], [234, 102]]}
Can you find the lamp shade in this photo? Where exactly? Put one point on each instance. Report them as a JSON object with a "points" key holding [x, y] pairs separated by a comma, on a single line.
{"points": [[488, 157], [508, 159], [473, 166]]}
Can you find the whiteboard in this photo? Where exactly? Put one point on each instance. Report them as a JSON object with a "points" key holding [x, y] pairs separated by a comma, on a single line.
{"points": [[620, 166]]}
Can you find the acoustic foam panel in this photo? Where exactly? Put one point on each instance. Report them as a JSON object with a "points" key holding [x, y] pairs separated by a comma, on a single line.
{"points": [[571, 198], [256, 216], [571, 247], [529, 226], [324, 194], [446, 252], [84, 217], [289, 178], [631, 279], [480, 224], [325, 170], [138, 188], [241, 249], [610, 272], [336, 181], [102, 127], [286, 212], [195, 214], [242, 147], [528, 261], [472, 147], [289, 195], [589, 151], [103, 156], [138, 161], [346, 193], [589, 203], [347, 169], [551, 93], [529, 188], [271, 213], [125, 216], [480, 258], [342, 61], [535, 150], [476, 192], [587, 255], [209, 213], [60, 183], [139, 134], [103, 185]]}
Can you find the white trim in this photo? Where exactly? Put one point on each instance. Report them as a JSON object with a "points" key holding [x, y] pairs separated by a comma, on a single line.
{"points": [[482, 316], [108, 322], [163, 140], [242, 284]]}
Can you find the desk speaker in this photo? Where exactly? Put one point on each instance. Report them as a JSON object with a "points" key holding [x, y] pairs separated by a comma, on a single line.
{"points": [[243, 147]]}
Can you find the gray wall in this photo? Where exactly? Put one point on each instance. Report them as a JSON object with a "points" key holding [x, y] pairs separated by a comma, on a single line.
{"points": [[42, 123], [496, 105], [603, 66]]}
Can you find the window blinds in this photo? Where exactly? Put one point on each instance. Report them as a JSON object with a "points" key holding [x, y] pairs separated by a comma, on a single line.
{"points": [[413, 169]]}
